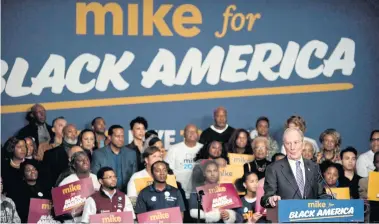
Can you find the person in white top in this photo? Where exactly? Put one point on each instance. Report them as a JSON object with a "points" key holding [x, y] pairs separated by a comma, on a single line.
{"points": [[299, 123], [80, 164], [181, 156], [149, 156], [364, 162]]}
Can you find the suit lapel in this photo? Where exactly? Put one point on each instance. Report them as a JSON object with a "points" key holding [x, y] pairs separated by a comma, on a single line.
{"points": [[308, 174], [288, 174]]}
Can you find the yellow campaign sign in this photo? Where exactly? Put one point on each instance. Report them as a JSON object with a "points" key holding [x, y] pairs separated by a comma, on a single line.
{"points": [[141, 183], [239, 159], [339, 193], [373, 189], [230, 173]]}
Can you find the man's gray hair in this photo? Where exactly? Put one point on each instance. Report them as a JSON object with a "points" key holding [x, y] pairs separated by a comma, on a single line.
{"points": [[293, 129]]}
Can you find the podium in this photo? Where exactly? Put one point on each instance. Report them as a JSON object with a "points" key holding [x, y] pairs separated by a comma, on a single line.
{"points": [[317, 211]]}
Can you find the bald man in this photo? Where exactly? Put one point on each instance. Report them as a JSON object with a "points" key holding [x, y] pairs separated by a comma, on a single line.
{"points": [[180, 157], [55, 160], [292, 177], [37, 127], [220, 130]]}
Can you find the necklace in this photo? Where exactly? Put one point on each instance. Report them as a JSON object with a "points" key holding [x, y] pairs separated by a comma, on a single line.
{"points": [[260, 168], [14, 164]]}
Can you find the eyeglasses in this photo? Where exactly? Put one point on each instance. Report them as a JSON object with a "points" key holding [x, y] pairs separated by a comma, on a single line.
{"points": [[375, 139], [109, 177]]}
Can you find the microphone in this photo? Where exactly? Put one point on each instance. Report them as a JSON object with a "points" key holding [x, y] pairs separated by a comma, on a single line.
{"points": [[199, 194], [327, 185]]}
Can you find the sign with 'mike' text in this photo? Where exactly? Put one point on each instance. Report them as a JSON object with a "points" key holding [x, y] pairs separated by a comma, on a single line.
{"points": [[320, 211], [112, 217], [70, 198], [219, 196], [168, 215], [40, 211]]}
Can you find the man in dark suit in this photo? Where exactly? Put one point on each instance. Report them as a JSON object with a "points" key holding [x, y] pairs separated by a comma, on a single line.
{"points": [[292, 177], [115, 155]]}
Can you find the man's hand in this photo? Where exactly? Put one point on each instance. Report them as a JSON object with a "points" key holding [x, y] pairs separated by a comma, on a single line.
{"points": [[273, 200], [256, 216], [224, 215]]}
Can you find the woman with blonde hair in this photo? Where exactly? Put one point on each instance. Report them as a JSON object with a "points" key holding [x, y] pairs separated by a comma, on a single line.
{"points": [[299, 123], [330, 141]]}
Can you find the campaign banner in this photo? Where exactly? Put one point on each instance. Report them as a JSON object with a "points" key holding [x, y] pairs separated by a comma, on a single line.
{"points": [[239, 159], [339, 192], [168, 215], [230, 173], [112, 217], [141, 183], [70, 198], [219, 196], [320, 211], [40, 211], [373, 189]]}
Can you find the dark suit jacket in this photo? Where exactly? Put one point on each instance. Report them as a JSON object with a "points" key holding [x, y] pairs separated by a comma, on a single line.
{"points": [[280, 180], [55, 161], [103, 157], [31, 130]]}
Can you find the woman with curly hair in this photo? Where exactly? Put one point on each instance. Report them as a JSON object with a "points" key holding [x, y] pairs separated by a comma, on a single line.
{"points": [[330, 141]]}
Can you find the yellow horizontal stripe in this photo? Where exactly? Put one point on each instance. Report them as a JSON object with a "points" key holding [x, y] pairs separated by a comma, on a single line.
{"points": [[312, 88]]}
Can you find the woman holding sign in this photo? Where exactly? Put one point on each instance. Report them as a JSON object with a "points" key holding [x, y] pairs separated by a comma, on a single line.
{"points": [[210, 175], [150, 155]]}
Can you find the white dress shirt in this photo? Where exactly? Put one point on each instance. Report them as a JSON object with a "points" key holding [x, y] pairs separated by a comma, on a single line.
{"points": [[293, 167], [90, 207], [365, 163]]}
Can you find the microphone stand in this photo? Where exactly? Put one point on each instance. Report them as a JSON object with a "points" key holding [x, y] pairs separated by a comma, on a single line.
{"points": [[199, 198]]}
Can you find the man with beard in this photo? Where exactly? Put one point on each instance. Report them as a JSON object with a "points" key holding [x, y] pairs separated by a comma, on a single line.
{"points": [[37, 127], [138, 127], [159, 195], [108, 198], [116, 156], [98, 126], [55, 161], [220, 131]]}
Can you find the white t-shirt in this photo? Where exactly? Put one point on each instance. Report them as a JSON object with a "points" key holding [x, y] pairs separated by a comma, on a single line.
{"points": [[365, 163], [132, 192], [180, 157], [310, 140], [73, 177]]}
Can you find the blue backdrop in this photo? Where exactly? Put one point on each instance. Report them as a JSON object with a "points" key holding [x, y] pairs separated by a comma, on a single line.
{"points": [[45, 38]]}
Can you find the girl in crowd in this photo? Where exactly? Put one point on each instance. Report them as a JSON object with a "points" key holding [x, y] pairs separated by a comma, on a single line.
{"points": [[8, 208], [330, 149], [153, 140], [15, 150], [31, 187], [240, 142], [86, 140], [210, 175], [260, 163], [149, 156], [213, 150], [308, 151], [249, 183], [332, 173]]}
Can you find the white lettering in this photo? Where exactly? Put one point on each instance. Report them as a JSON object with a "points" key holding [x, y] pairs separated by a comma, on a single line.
{"points": [[14, 87], [302, 65], [56, 65], [111, 71], [169, 137], [233, 64], [162, 68], [4, 70], [191, 64], [289, 60], [346, 48], [75, 69]]}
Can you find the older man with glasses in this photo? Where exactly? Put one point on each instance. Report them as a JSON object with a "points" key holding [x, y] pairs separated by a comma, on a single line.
{"points": [[364, 162]]}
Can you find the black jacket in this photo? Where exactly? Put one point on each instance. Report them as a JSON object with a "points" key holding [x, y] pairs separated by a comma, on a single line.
{"points": [[31, 130]]}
